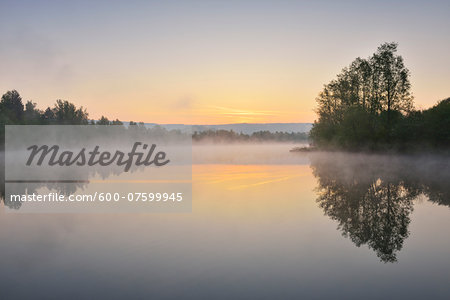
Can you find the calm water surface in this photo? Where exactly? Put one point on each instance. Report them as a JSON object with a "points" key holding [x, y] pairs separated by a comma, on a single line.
{"points": [[266, 223]]}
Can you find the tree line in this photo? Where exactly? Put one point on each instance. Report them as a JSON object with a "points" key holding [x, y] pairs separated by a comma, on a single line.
{"points": [[369, 106], [230, 136], [13, 111]]}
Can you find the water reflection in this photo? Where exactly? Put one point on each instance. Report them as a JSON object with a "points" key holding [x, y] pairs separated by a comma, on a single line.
{"points": [[61, 187], [371, 197], [257, 154], [85, 177], [255, 231]]}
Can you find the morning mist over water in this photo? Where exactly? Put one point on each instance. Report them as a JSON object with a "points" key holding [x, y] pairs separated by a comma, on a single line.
{"points": [[256, 215]]}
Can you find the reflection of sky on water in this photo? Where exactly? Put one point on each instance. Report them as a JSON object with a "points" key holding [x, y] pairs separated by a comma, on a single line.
{"points": [[256, 231]]}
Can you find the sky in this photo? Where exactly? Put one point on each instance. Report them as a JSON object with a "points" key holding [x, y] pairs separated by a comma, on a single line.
{"points": [[211, 62]]}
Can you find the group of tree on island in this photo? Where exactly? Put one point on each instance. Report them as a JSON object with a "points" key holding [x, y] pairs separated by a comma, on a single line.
{"points": [[369, 106]]}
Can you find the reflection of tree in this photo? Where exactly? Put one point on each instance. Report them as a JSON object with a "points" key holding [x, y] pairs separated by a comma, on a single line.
{"points": [[62, 187], [371, 197], [20, 189]]}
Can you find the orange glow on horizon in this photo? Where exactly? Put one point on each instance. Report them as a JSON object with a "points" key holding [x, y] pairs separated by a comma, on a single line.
{"points": [[212, 115]]}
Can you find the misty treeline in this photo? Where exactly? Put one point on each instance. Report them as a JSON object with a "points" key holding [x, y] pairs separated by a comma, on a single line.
{"points": [[369, 106], [227, 136], [13, 111]]}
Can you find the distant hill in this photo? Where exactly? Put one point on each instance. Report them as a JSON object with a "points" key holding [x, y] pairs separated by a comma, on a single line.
{"points": [[247, 128]]}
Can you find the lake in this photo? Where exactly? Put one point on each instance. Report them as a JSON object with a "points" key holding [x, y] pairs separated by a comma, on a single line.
{"points": [[265, 224]]}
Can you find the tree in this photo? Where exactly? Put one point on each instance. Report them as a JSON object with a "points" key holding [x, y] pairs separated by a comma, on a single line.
{"points": [[11, 106], [374, 90], [436, 127], [67, 113], [31, 113], [103, 121], [49, 114], [393, 77]]}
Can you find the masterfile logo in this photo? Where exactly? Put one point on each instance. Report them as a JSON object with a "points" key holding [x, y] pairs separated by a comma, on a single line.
{"points": [[97, 169], [53, 156]]}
